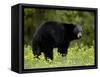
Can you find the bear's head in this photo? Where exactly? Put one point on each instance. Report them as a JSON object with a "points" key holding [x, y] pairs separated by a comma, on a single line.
{"points": [[77, 32]]}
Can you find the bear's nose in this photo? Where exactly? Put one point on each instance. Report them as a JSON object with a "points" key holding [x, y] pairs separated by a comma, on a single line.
{"points": [[79, 35]]}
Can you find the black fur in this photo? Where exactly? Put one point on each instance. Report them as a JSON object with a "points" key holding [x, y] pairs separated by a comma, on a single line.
{"points": [[51, 35]]}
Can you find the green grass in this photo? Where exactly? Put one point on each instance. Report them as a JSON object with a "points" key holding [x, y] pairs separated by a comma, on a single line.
{"points": [[76, 56]]}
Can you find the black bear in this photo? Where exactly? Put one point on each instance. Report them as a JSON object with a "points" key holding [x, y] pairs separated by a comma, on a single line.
{"points": [[53, 34]]}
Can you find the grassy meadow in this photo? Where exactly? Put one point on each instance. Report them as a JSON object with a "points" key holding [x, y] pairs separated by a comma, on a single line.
{"points": [[77, 56]]}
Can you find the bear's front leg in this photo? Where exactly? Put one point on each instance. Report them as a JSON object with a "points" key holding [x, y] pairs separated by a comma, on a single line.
{"points": [[63, 50]]}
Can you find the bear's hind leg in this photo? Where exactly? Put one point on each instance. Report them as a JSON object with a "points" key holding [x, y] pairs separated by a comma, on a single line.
{"points": [[48, 53], [37, 53]]}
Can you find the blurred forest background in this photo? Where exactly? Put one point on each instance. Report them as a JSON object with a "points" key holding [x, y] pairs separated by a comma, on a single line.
{"points": [[33, 17]]}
